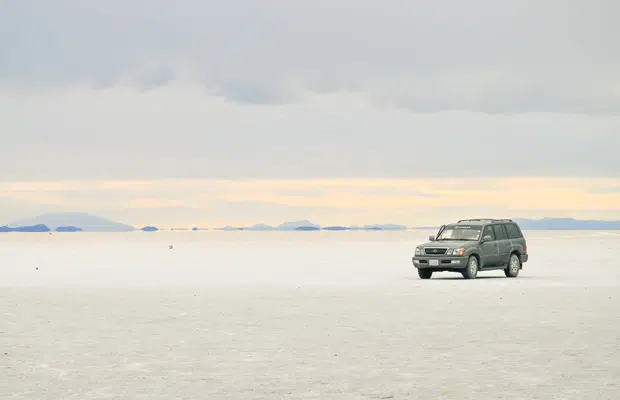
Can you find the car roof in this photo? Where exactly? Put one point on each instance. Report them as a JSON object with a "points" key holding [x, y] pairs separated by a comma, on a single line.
{"points": [[481, 221]]}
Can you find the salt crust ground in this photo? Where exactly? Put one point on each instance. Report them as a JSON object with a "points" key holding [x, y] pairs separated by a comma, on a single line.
{"points": [[339, 315]]}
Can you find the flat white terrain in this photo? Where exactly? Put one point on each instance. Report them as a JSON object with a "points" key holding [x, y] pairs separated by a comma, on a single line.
{"points": [[321, 315]]}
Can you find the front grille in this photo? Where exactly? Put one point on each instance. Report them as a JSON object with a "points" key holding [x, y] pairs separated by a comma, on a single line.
{"points": [[435, 251]]}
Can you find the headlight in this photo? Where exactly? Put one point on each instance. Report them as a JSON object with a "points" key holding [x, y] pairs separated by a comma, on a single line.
{"points": [[457, 252], [418, 251]]}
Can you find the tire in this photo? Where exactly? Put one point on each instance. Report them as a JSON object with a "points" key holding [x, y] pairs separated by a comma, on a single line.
{"points": [[471, 271], [514, 265], [424, 273]]}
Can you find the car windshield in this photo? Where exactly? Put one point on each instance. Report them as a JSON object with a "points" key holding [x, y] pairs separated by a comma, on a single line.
{"points": [[460, 232]]}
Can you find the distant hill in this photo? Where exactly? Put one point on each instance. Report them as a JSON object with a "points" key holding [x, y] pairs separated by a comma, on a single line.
{"points": [[150, 229], [68, 229], [295, 225], [306, 225], [86, 222], [230, 228], [31, 228], [261, 227], [566, 224], [258, 227], [286, 226], [307, 228], [385, 227], [337, 228], [376, 227]]}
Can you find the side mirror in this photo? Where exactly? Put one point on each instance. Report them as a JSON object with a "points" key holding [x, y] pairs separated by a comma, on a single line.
{"points": [[487, 238], [431, 238]]}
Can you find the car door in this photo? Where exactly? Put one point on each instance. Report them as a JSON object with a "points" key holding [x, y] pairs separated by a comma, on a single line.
{"points": [[503, 244], [490, 249]]}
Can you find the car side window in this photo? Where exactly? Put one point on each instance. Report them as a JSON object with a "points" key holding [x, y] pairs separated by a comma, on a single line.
{"points": [[513, 231], [500, 233], [488, 231]]}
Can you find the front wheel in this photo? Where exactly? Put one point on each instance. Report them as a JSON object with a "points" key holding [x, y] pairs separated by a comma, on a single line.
{"points": [[424, 273], [471, 271], [514, 265]]}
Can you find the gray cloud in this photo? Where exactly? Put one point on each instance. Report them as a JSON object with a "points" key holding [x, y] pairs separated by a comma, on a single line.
{"points": [[537, 84], [169, 134], [480, 55]]}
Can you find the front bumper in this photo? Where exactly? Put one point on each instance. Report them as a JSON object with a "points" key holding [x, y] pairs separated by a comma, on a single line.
{"points": [[439, 263]]}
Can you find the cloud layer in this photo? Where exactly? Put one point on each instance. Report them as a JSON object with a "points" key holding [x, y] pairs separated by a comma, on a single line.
{"points": [[179, 131], [480, 55]]}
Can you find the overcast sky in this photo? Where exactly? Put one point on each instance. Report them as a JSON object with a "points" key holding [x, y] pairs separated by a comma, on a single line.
{"points": [[322, 89]]}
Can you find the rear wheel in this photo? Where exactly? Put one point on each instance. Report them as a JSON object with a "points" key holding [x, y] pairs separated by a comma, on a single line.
{"points": [[424, 273], [471, 271], [514, 265]]}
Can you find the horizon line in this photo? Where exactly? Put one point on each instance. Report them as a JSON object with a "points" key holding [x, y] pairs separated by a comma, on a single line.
{"points": [[300, 224]]}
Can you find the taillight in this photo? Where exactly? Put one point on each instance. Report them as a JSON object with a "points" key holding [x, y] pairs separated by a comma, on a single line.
{"points": [[525, 248]]}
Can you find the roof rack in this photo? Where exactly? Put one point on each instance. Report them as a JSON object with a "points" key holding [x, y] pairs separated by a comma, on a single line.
{"points": [[485, 219]]}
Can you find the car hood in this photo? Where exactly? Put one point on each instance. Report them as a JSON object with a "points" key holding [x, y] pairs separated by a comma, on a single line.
{"points": [[451, 244]]}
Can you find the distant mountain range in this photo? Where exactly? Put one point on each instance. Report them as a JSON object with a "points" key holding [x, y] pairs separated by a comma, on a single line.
{"points": [[78, 222], [30, 228], [84, 221], [566, 224], [306, 225], [39, 228], [68, 229], [558, 224]]}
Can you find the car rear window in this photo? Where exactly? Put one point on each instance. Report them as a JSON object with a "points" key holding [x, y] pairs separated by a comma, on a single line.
{"points": [[513, 231]]}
